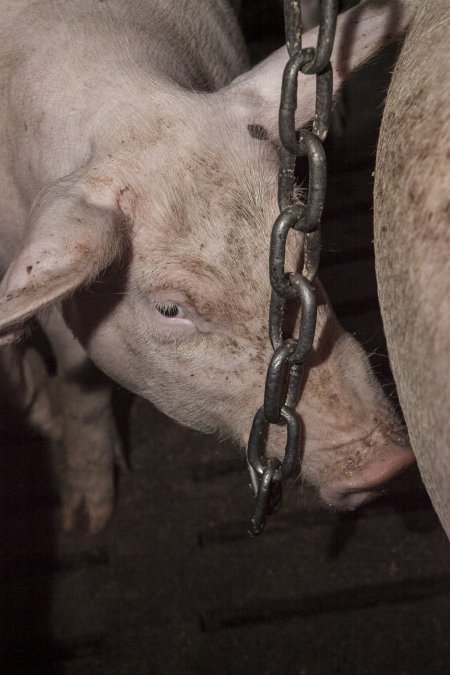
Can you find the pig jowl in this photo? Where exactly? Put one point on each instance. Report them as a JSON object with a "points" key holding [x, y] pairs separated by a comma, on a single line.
{"points": [[138, 214]]}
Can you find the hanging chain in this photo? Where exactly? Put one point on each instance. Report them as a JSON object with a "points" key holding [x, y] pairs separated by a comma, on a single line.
{"points": [[285, 371]]}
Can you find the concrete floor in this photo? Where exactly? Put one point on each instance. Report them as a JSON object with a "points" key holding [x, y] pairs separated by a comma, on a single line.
{"points": [[175, 585]]}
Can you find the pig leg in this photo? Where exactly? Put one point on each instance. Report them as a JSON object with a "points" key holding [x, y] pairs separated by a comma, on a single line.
{"points": [[42, 403], [27, 390], [90, 438]]}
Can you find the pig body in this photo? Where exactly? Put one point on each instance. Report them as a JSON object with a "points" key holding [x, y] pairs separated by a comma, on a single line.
{"points": [[137, 203], [412, 240]]}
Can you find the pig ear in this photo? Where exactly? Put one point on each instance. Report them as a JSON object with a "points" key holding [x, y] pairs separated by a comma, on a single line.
{"points": [[68, 241], [360, 33]]}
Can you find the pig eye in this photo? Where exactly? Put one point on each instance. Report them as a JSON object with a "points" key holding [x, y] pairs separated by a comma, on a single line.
{"points": [[170, 310]]}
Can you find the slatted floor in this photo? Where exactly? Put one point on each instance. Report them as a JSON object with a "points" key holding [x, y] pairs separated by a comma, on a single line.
{"points": [[175, 586]]}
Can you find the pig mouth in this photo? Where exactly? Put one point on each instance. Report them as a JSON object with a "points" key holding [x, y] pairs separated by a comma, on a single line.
{"points": [[369, 482], [350, 500]]}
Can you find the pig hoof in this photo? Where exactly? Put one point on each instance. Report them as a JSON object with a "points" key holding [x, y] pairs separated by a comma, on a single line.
{"points": [[44, 420], [99, 516], [69, 519], [120, 459]]}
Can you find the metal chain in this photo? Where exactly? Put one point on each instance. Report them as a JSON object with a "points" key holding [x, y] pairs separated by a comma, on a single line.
{"points": [[285, 371]]}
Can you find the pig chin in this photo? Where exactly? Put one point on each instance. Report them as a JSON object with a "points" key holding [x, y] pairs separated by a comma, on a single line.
{"points": [[362, 475]]}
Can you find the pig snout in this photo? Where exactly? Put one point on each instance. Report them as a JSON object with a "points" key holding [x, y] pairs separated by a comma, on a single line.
{"points": [[352, 473], [361, 479], [357, 442], [352, 442]]}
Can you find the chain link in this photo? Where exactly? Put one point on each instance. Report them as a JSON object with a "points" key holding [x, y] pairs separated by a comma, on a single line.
{"points": [[291, 290]]}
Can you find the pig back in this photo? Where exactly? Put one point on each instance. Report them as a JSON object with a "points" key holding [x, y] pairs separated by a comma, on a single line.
{"points": [[66, 66], [412, 242], [197, 42]]}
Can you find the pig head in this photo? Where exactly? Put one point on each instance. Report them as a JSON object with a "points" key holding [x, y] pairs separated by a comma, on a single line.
{"points": [[412, 242], [137, 214]]}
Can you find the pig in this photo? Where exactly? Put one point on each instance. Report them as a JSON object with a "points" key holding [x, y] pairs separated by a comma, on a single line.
{"points": [[138, 172], [26, 391], [412, 242]]}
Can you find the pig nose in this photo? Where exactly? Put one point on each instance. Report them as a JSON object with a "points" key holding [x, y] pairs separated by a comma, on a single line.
{"points": [[347, 493]]}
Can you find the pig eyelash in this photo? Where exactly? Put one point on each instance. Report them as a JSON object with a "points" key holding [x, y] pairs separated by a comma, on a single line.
{"points": [[170, 310]]}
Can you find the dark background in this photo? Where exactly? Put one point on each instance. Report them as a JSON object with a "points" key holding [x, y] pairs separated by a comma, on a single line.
{"points": [[175, 585]]}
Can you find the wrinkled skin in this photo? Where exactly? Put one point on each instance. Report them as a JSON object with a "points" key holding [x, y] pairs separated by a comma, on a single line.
{"points": [[139, 212], [412, 240]]}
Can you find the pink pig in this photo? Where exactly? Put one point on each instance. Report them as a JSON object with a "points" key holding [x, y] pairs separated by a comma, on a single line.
{"points": [[412, 242], [137, 205]]}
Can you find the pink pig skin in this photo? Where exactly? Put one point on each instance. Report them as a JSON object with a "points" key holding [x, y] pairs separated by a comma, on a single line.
{"points": [[412, 242]]}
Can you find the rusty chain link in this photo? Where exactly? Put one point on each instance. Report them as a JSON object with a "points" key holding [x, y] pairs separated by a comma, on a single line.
{"points": [[285, 371]]}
